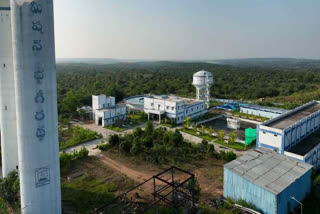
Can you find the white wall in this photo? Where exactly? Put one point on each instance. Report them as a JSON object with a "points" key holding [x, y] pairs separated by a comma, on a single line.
{"points": [[36, 101], [8, 125]]}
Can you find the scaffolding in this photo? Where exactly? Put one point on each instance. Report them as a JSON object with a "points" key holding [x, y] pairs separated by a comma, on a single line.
{"points": [[171, 191]]}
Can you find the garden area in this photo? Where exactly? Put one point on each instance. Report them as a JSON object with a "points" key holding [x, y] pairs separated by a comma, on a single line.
{"points": [[249, 116], [133, 120], [70, 135], [160, 146]]}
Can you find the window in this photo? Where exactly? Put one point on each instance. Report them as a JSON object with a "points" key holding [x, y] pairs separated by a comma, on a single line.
{"points": [[197, 107], [4, 65], [187, 111], [167, 107], [151, 104], [178, 108], [172, 108], [191, 109]]}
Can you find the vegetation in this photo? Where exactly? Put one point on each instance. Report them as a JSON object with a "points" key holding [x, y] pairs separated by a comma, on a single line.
{"points": [[77, 82], [210, 138], [159, 146], [73, 135], [66, 158], [10, 193], [249, 116]]}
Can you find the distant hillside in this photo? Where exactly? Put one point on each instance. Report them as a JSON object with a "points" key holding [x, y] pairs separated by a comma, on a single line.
{"points": [[96, 61], [270, 63]]}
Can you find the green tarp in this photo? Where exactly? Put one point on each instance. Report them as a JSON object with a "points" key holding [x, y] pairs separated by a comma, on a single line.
{"points": [[250, 135]]}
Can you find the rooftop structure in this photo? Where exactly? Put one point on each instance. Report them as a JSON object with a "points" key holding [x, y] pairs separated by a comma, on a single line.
{"points": [[268, 180], [296, 115]]}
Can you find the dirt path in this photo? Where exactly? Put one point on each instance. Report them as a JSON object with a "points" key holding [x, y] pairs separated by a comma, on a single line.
{"points": [[131, 173]]}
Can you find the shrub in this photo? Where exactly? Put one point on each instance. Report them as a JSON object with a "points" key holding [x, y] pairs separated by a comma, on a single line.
{"points": [[204, 146], [230, 156], [210, 150], [114, 140], [194, 188], [221, 135], [104, 147], [232, 137], [9, 187]]}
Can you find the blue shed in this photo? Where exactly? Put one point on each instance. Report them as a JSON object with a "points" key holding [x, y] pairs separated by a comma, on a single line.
{"points": [[268, 180]]}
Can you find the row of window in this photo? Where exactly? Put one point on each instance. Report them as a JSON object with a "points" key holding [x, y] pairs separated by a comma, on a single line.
{"points": [[191, 110]]}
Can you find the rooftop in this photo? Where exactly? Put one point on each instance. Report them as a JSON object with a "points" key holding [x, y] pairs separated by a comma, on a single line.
{"points": [[264, 108], [173, 98], [268, 169], [294, 116], [307, 144], [202, 73]]}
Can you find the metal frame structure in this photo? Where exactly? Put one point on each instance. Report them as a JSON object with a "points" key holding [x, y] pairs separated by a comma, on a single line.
{"points": [[174, 193]]}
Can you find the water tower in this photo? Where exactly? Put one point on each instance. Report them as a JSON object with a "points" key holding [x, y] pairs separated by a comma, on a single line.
{"points": [[203, 80]]}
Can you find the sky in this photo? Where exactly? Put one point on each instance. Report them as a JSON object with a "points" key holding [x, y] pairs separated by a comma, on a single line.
{"points": [[187, 29]]}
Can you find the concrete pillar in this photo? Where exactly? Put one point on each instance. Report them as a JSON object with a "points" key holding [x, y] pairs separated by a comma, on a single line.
{"points": [[8, 125], [148, 116], [159, 118], [36, 99]]}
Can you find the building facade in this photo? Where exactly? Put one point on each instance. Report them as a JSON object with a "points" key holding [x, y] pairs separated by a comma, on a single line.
{"points": [[261, 111], [105, 110], [173, 107], [292, 133]]}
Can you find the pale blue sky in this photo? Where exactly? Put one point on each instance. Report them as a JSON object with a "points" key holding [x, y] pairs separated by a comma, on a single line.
{"points": [[187, 29]]}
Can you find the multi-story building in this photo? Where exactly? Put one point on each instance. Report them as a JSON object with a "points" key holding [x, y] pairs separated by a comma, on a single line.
{"points": [[106, 111], [294, 134], [173, 107]]}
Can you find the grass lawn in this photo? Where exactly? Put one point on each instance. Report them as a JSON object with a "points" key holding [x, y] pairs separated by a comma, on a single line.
{"points": [[236, 146], [96, 185], [132, 121], [73, 135]]}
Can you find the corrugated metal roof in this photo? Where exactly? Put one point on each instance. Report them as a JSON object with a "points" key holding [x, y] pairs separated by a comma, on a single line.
{"points": [[268, 169]]}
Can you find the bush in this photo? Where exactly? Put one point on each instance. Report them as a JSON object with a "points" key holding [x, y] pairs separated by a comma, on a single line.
{"points": [[210, 150], [9, 187], [104, 147], [66, 158], [114, 140], [230, 156]]}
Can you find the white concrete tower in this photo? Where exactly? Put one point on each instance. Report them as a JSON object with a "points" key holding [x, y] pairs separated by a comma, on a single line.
{"points": [[8, 124], [36, 99]]}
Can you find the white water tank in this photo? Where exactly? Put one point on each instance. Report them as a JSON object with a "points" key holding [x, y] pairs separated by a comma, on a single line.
{"points": [[201, 79]]}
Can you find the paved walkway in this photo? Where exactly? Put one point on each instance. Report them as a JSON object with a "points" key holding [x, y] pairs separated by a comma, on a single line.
{"points": [[90, 145]]}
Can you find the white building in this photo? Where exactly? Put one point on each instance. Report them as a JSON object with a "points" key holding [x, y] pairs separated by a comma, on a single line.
{"points": [[173, 107], [294, 134], [106, 111]]}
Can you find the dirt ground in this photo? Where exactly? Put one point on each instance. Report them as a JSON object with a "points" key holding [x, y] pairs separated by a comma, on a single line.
{"points": [[208, 172]]}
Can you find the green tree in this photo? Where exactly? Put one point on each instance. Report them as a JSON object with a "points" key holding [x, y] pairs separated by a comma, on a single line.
{"points": [[114, 139], [210, 150], [194, 188], [203, 129], [136, 146], [230, 156], [187, 123], [204, 146], [195, 127], [221, 135], [211, 131], [232, 137], [70, 102], [149, 128], [9, 187], [177, 138]]}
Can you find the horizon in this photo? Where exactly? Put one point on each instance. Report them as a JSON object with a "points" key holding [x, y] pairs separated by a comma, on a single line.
{"points": [[172, 30]]}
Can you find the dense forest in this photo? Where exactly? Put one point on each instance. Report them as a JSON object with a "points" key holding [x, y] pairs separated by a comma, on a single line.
{"points": [[78, 81]]}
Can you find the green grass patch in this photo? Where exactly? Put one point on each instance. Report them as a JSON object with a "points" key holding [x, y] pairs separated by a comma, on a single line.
{"points": [[86, 194], [74, 135], [115, 128], [3, 207], [236, 146]]}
